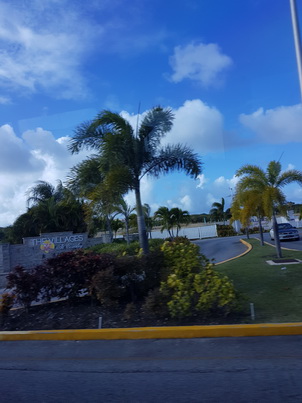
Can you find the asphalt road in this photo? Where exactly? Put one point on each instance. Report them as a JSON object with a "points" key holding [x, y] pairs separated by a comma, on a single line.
{"points": [[221, 249], [284, 244], [250, 369]]}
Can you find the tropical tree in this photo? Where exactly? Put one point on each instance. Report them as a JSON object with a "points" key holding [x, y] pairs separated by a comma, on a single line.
{"points": [[247, 204], [126, 155], [125, 210], [218, 212], [87, 181], [55, 208], [172, 218], [116, 224], [164, 215], [44, 191], [149, 220], [269, 185]]}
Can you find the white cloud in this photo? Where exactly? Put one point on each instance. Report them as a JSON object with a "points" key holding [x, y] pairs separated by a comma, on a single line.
{"points": [[199, 126], [186, 202], [210, 199], [42, 48], [201, 62], [223, 182], [23, 161], [195, 124], [202, 181], [276, 126]]}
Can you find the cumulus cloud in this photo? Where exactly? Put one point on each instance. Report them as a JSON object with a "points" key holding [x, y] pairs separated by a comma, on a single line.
{"points": [[195, 124], [276, 126], [37, 155], [223, 182], [199, 126], [202, 181], [199, 62], [186, 202]]}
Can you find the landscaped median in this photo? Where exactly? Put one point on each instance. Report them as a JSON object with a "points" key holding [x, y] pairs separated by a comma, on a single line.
{"points": [[178, 332]]}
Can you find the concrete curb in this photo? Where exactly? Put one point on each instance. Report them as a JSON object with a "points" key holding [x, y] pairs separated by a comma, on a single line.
{"points": [[175, 332], [249, 248]]}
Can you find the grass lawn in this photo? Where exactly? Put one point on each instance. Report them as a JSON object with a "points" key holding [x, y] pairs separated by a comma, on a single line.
{"points": [[276, 293]]}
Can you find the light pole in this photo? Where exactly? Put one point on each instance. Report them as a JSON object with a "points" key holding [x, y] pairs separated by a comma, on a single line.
{"points": [[297, 40]]}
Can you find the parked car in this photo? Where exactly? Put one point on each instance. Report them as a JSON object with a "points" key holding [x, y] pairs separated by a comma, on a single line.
{"points": [[285, 231]]}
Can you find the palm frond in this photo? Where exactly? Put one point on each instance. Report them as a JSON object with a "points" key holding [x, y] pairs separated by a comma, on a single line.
{"points": [[272, 172], [86, 135], [112, 123], [288, 177], [155, 124], [252, 170], [174, 158]]}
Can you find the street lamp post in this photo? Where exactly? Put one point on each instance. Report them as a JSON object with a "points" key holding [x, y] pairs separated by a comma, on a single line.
{"points": [[297, 40]]}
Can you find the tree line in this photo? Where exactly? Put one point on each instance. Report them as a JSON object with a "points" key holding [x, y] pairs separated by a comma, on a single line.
{"points": [[92, 198]]}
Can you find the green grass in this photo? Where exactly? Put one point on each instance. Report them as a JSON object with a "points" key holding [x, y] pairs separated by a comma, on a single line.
{"points": [[276, 293]]}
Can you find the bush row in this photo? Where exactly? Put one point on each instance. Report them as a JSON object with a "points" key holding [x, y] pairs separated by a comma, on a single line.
{"points": [[172, 280]]}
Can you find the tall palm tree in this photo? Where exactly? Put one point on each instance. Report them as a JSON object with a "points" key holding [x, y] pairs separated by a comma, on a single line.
{"points": [[269, 184], [125, 210], [148, 219], [44, 191], [217, 211], [55, 208], [87, 181], [164, 215], [179, 217], [127, 155], [245, 205], [172, 218]]}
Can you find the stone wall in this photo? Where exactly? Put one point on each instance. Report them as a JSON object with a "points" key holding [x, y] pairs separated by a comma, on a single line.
{"points": [[35, 250]]}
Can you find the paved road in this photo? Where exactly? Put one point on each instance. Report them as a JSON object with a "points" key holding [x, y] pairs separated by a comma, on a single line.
{"points": [[251, 369], [284, 244], [221, 249]]}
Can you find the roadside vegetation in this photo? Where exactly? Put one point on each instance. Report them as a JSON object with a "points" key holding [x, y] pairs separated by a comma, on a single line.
{"points": [[173, 282]]}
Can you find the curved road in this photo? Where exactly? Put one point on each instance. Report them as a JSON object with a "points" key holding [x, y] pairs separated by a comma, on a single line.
{"points": [[221, 249]]}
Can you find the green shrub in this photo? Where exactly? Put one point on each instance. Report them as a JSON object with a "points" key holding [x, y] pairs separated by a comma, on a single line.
{"points": [[191, 285], [69, 274], [155, 305], [225, 230], [24, 285], [117, 249], [122, 248], [105, 287], [6, 303]]}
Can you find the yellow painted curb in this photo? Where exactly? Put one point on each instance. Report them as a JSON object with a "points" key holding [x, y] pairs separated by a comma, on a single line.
{"points": [[177, 332], [249, 248]]}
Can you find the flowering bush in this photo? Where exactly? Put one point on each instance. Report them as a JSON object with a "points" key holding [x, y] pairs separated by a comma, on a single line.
{"points": [[192, 285]]}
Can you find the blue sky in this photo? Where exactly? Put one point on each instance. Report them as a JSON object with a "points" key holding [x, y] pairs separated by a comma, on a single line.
{"points": [[227, 69]]}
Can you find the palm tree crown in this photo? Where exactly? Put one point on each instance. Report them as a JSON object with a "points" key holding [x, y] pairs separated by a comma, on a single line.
{"points": [[269, 185], [126, 155]]}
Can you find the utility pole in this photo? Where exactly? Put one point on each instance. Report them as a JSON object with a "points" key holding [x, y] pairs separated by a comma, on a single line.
{"points": [[297, 40]]}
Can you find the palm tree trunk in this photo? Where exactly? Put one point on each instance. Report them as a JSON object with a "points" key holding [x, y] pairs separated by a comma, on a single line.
{"points": [[247, 232], [276, 236], [142, 233], [261, 231], [109, 227], [127, 230]]}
